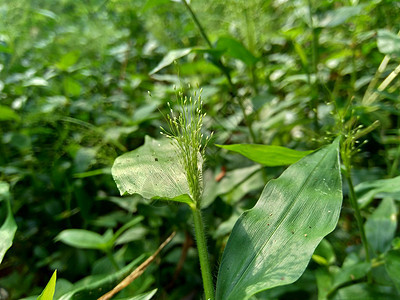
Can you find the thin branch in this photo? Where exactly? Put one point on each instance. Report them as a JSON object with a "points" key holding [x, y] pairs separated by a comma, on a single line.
{"points": [[137, 272]]}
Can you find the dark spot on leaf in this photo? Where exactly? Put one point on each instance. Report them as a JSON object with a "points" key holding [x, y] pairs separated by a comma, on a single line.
{"points": [[282, 278], [309, 226], [156, 159], [292, 232], [305, 235], [270, 214], [267, 224]]}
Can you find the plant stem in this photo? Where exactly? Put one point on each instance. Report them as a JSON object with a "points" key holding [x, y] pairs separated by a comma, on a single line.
{"points": [[203, 254], [198, 24], [225, 71], [314, 54], [354, 204], [113, 261]]}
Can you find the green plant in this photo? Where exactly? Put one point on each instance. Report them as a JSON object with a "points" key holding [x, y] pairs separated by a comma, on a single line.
{"points": [[280, 232]]}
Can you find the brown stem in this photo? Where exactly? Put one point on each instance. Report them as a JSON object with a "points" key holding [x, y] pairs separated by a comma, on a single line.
{"points": [[137, 272]]}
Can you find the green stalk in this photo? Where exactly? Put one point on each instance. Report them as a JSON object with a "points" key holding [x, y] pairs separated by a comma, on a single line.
{"points": [[354, 204], [225, 71], [113, 261], [198, 24], [314, 54], [203, 254]]}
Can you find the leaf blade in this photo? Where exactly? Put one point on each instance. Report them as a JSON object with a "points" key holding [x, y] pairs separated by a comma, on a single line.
{"points": [[50, 288], [153, 171], [267, 155], [286, 231], [9, 227]]}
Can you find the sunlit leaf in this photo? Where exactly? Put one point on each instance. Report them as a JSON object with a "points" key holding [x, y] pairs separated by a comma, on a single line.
{"points": [[8, 114], [9, 227], [267, 155], [170, 58], [49, 290], [144, 296], [272, 243], [153, 171], [84, 239], [388, 42], [341, 15]]}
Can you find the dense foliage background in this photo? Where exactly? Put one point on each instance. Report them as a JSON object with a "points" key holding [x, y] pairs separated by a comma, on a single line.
{"points": [[81, 83]]}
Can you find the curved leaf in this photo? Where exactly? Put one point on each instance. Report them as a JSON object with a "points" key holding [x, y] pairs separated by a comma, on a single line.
{"points": [[388, 42], [272, 243], [235, 49], [153, 171], [144, 296], [9, 227], [50, 288], [369, 190], [267, 155], [83, 239], [170, 58]]}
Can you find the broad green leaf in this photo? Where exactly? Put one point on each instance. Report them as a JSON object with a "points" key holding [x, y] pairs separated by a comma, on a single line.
{"points": [[71, 86], [272, 243], [93, 287], [341, 15], [267, 155], [388, 42], [381, 226], [235, 49], [170, 58], [392, 264], [8, 114], [144, 296], [48, 291], [84, 239], [153, 171], [68, 60], [369, 190], [9, 227]]}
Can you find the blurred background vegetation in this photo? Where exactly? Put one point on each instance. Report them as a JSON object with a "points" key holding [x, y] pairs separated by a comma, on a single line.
{"points": [[80, 84]]}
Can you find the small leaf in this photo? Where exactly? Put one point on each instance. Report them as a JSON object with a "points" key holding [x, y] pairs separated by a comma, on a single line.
{"points": [[380, 227], [341, 15], [9, 227], [267, 155], [48, 291], [235, 49], [388, 42], [8, 114], [144, 296], [68, 60], [84, 239], [392, 264], [272, 243], [369, 190], [153, 171], [170, 58]]}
